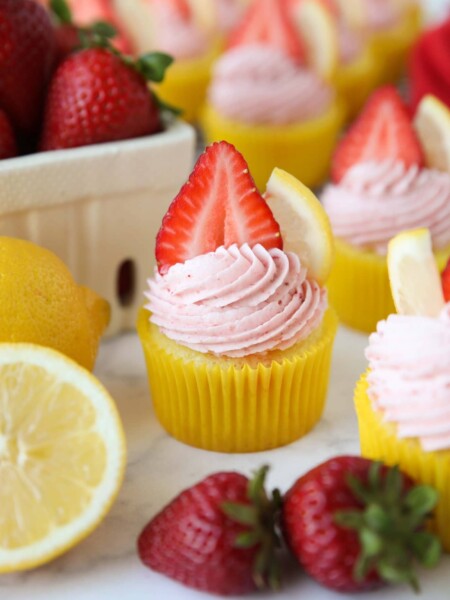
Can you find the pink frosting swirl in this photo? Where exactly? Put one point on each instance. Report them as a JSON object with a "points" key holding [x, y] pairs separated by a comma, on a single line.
{"points": [[409, 378], [375, 201], [176, 35], [381, 14], [237, 301], [258, 84]]}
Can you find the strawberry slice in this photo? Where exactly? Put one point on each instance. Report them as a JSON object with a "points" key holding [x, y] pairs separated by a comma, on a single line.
{"points": [[218, 206], [268, 22], [446, 282], [383, 131]]}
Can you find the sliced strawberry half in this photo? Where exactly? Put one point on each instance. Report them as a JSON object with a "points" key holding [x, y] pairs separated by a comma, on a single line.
{"points": [[268, 22], [218, 206], [446, 282], [383, 131]]}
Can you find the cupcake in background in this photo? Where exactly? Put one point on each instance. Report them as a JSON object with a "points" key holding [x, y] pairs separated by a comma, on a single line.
{"points": [[393, 26], [219, 16], [429, 66], [381, 187], [403, 402], [171, 26], [237, 333], [267, 101], [354, 70]]}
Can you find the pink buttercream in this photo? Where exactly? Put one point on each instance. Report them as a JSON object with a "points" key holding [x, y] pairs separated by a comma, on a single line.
{"points": [[350, 43], [228, 13], [409, 378], [375, 201], [237, 301], [381, 14], [258, 84], [176, 35]]}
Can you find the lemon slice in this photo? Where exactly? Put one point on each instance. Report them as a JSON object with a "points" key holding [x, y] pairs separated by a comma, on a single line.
{"points": [[413, 274], [318, 28], [62, 454], [304, 224], [432, 123]]}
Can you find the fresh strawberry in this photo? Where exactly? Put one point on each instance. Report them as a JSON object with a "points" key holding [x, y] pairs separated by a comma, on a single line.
{"points": [[446, 281], [27, 46], [219, 205], [96, 97], [428, 69], [383, 131], [268, 22], [353, 524], [8, 146], [217, 536]]}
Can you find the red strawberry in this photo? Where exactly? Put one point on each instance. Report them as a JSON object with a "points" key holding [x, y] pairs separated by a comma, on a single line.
{"points": [[27, 46], [268, 22], [353, 524], [446, 281], [8, 146], [217, 536], [219, 205], [95, 97], [383, 131]]}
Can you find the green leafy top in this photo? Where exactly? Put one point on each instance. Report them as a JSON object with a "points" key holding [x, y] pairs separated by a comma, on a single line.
{"points": [[261, 518], [152, 66], [392, 526]]}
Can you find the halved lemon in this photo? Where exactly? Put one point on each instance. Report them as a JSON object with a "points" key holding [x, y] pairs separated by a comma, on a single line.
{"points": [[62, 454], [318, 28], [413, 274], [304, 224], [432, 123]]}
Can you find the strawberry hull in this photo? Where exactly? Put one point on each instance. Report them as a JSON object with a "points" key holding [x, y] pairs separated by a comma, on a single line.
{"points": [[99, 209]]}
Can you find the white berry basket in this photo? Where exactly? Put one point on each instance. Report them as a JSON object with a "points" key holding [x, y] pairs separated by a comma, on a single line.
{"points": [[99, 209]]}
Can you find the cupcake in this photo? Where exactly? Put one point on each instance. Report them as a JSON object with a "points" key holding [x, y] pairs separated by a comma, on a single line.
{"points": [[380, 187], [393, 26], [266, 101], [429, 65], [403, 402], [170, 26], [236, 333], [337, 49]]}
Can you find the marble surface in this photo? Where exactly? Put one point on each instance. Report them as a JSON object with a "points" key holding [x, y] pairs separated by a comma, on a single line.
{"points": [[105, 565]]}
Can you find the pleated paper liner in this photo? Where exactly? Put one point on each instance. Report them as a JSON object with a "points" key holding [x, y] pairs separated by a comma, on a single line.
{"points": [[186, 82], [238, 405], [302, 149], [380, 442], [359, 287]]}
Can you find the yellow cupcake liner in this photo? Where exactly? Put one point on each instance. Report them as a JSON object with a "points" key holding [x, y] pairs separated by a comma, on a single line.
{"points": [[238, 405], [186, 82], [355, 81], [359, 287], [302, 149], [391, 48], [380, 442]]}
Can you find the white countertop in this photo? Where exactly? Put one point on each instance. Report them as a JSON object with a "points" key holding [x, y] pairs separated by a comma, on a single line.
{"points": [[105, 565]]}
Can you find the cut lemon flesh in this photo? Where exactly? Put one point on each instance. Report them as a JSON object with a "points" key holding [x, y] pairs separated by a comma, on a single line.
{"points": [[432, 123], [413, 274], [304, 224], [318, 28], [62, 454]]}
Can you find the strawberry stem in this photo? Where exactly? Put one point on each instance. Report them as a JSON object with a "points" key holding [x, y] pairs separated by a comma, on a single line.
{"points": [[391, 526]]}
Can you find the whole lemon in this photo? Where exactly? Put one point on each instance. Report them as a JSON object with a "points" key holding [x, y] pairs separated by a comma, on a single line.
{"points": [[41, 303]]}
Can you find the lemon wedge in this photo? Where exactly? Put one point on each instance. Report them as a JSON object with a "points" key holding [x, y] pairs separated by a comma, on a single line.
{"points": [[432, 124], [62, 454], [304, 224], [413, 274], [317, 27]]}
